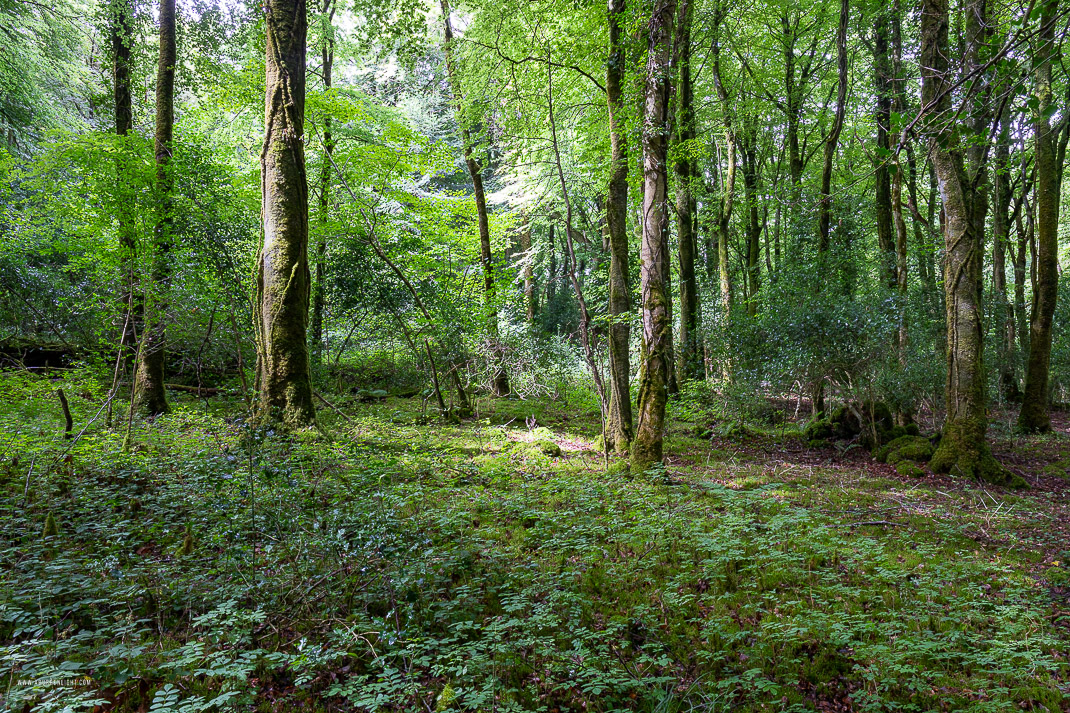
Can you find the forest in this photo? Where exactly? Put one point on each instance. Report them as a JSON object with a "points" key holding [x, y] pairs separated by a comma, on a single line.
{"points": [[534, 355]]}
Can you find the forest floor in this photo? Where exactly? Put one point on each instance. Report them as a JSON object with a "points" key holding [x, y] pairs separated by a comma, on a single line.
{"points": [[395, 563]]}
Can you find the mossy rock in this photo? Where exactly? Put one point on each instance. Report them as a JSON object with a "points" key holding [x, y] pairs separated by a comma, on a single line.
{"points": [[819, 429], [908, 468], [818, 443], [912, 448], [862, 419], [547, 447]]}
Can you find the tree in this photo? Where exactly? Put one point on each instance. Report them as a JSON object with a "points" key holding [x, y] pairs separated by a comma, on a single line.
{"points": [[689, 364], [618, 428], [657, 321], [319, 295], [963, 447], [151, 396], [499, 380], [283, 275], [1034, 416], [833, 138]]}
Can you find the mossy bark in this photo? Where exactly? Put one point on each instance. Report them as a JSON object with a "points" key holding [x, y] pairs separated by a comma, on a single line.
{"points": [[833, 139], [728, 182], [283, 278], [1034, 416], [617, 435], [656, 318], [122, 39], [150, 394], [963, 449], [688, 354], [319, 293]]}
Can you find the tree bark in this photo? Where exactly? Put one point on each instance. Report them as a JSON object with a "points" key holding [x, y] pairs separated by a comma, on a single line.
{"points": [[319, 294], [499, 380], [618, 427], [883, 81], [657, 323], [688, 356], [528, 271], [748, 139], [833, 139], [283, 276], [1034, 416], [724, 206], [963, 448], [122, 62], [1001, 227], [151, 396]]}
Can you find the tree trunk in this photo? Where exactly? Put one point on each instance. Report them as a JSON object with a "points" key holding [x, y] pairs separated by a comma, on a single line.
{"points": [[749, 149], [618, 426], [283, 275], [657, 323], [1001, 227], [883, 81], [499, 380], [151, 396], [688, 355], [724, 206], [1034, 416], [122, 62], [963, 448], [833, 139], [319, 294], [528, 272]]}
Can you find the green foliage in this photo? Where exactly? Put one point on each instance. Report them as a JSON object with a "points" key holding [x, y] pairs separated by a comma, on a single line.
{"points": [[397, 566]]}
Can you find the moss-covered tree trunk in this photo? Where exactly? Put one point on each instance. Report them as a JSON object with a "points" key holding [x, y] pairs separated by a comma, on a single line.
{"points": [[499, 380], [151, 396], [656, 318], [963, 448], [1001, 228], [319, 294], [728, 183], [688, 354], [751, 168], [529, 272], [618, 426], [833, 139], [283, 278], [882, 173], [121, 40], [1034, 416]]}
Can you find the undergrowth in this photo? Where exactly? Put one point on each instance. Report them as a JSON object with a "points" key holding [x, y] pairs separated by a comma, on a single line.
{"points": [[391, 565]]}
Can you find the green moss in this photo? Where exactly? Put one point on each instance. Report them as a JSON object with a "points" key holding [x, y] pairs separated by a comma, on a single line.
{"points": [[187, 543], [547, 447], [51, 529], [912, 448], [906, 467], [819, 429], [964, 452]]}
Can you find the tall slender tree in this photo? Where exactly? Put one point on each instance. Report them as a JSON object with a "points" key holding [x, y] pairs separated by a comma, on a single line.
{"points": [[319, 293], [121, 31], [833, 139], [149, 382], [963, 448], [1034, 416], [283, 275], [499, 379], [657, 321], [618, 428], [689, 363]]}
